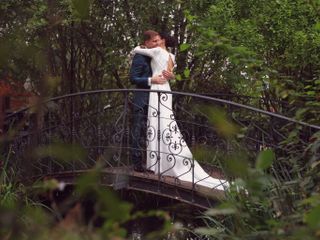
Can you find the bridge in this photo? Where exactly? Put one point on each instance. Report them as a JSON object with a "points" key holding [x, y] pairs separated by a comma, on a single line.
{"points": [[94, 128]]}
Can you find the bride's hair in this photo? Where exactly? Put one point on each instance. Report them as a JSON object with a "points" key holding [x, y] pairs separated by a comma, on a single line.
{"points": [[170, 40]]}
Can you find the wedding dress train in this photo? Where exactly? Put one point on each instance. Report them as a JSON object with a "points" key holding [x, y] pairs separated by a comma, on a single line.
{"points": [[167, 151]]}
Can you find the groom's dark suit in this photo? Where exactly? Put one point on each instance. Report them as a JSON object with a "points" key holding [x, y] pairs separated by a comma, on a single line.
{"points": [[140, 72]]}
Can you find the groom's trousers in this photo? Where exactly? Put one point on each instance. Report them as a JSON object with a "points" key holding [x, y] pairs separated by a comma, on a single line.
{"points": [[139, 132]]}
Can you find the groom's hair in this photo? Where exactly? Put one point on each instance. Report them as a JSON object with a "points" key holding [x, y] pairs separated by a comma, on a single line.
{"points": [[147, 35]]}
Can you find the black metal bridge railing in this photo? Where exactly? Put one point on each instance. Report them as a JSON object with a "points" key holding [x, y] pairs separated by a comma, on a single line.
{"points": [[101, 122]]}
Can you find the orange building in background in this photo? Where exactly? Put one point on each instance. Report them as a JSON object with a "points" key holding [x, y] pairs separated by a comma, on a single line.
{"points": [[13, 97]]}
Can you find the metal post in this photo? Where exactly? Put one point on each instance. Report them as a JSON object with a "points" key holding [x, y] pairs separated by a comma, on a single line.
{"points": [[73, 131], [99, 109], [2, 114], [158, 138], [123, 125]]}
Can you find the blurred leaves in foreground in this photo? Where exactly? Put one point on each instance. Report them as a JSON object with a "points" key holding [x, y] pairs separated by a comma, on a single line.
{"points": [[32, 211], [258, 206], [219, 120], [64, 152]]}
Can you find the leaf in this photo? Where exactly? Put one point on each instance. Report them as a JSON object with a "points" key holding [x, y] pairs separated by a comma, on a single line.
{"points": [[178, 77], [265, 159], [110, 205], [208, 231], [82, 8], [300, 112], [184, 46], [237, 165], [223, 211], [61, 151], [317, 26], [312, 218], [186, 72], [217, 117], [49, 184], [313, 200], [311, 93]]}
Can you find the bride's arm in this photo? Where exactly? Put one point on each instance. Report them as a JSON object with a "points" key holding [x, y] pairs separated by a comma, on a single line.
{"points": [[150, 52], [168, 74]]}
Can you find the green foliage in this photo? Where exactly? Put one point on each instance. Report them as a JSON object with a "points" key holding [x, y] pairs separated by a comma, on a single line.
{"points": [[61, 151], [107, 205], [267, 49], [81, 8], [184, 47], [21, 212], [261, 206], [219, 120], [265, 159], [312, 218], [256, 43], [232, 46]]}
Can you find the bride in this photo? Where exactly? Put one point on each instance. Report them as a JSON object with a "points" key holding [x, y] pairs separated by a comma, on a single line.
{"points": [[167, 151]]}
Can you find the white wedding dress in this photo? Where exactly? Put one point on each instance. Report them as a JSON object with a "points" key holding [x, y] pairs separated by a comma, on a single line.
{"points": [[167, 152]]}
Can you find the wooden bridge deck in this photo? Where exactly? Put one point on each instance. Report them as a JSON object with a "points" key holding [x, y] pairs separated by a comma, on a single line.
{"points": [[166, 186]]}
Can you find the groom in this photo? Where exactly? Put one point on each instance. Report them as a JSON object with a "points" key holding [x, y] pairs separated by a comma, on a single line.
{"points": [[141, 77]]}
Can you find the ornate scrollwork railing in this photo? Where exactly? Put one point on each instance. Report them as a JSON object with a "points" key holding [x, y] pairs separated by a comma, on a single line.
{"points": [[101, 123]]}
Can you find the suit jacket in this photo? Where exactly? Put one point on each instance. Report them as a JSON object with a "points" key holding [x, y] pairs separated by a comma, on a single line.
{"points": [[139, 73]]}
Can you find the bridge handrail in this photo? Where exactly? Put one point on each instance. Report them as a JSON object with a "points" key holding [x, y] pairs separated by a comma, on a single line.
{"points": [[214, 99]]}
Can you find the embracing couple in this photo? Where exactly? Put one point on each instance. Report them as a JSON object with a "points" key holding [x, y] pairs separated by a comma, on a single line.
{"points": [[155, 134]]}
